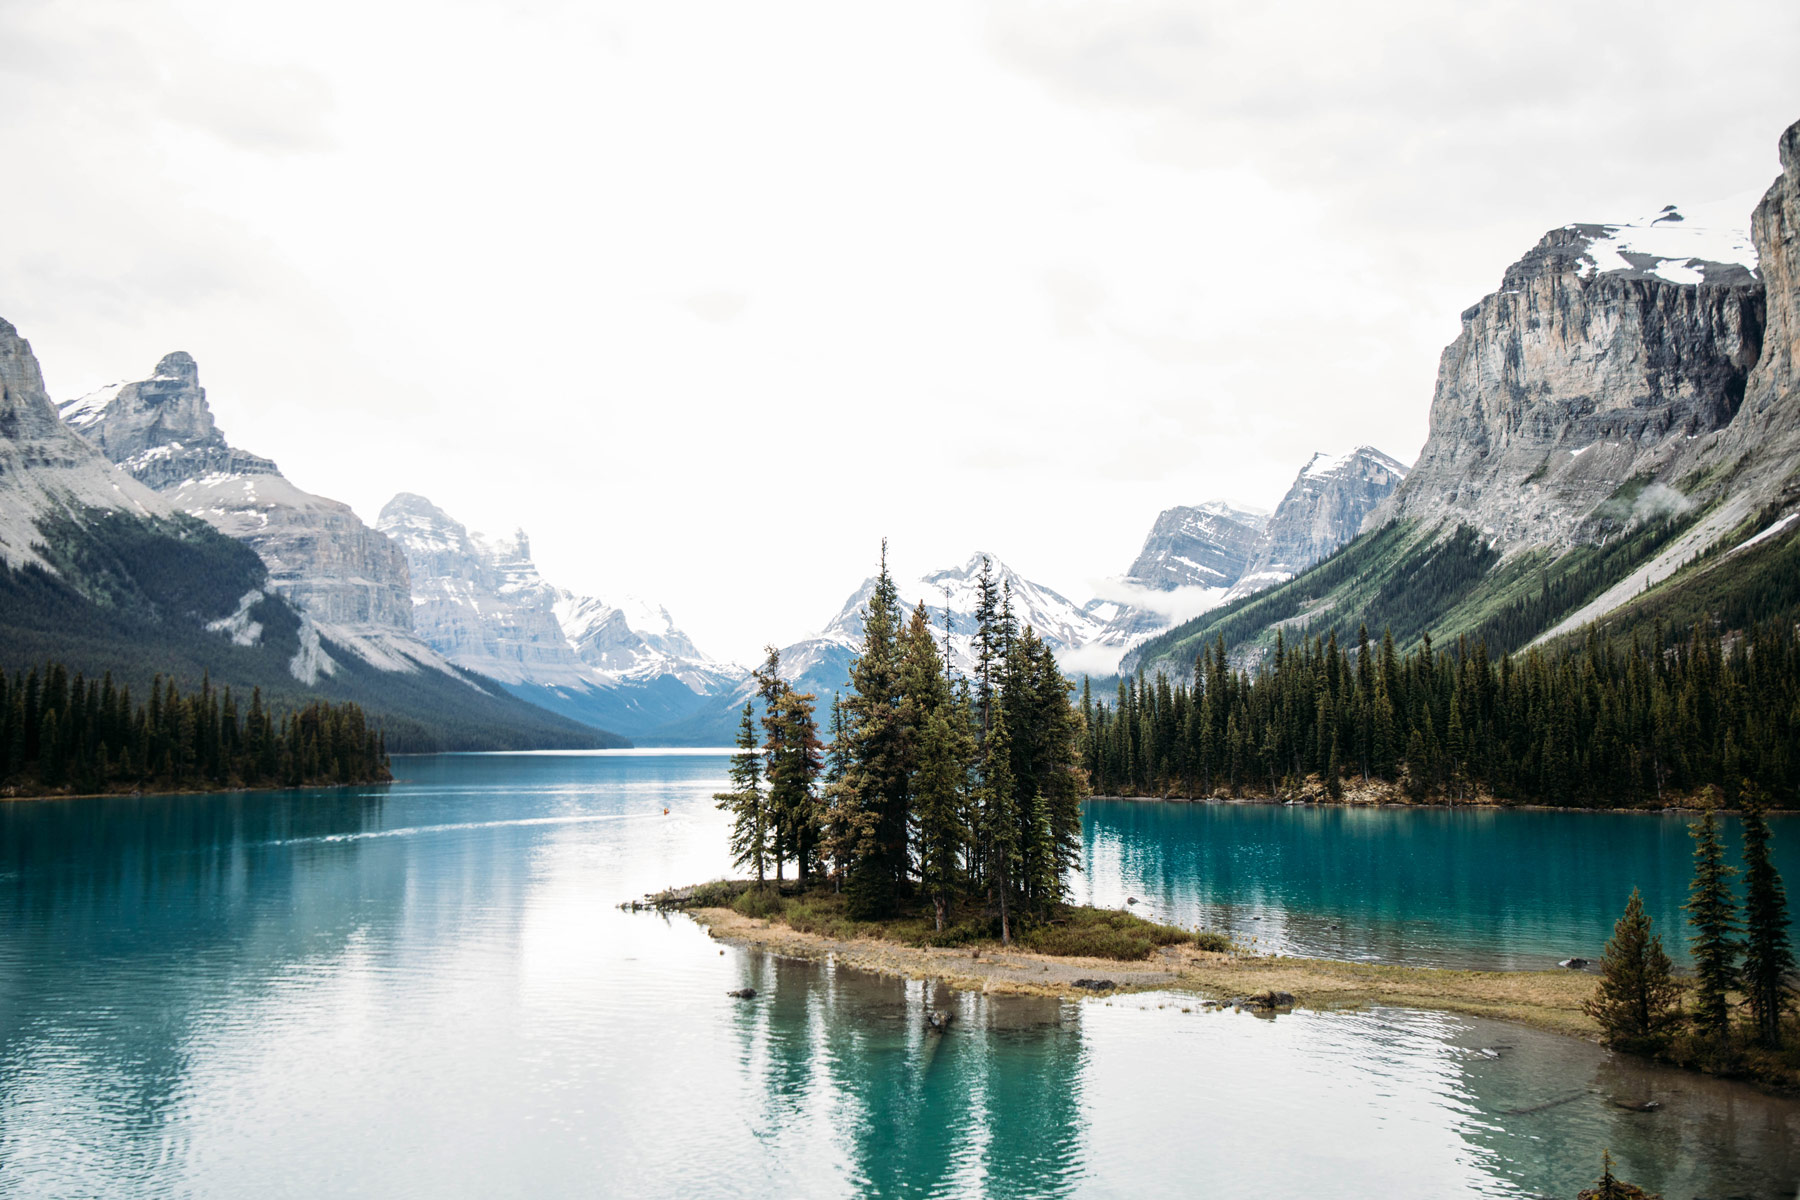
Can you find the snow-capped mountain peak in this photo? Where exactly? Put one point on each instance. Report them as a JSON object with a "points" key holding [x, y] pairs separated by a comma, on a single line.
{"points": [[480, 600], [1064, 625]]}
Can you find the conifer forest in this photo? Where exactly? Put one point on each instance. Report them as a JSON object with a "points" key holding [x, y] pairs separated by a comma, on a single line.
{"points": [[1648, 722], [71, 734]]}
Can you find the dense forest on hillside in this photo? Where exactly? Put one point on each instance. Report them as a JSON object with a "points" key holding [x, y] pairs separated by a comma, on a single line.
{"points": [[63, 733], [1412, 584], [1645, 721]]}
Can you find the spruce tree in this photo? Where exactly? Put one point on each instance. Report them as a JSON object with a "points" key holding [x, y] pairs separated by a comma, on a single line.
{"points": [[939, 788], [795, 757], [749, 820], [870, 803], [1636, 1001], [1713, 915], [1768, 958], [1000, 820]]}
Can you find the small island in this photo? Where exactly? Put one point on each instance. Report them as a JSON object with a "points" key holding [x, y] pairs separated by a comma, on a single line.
{"points": [[1088, 951]]}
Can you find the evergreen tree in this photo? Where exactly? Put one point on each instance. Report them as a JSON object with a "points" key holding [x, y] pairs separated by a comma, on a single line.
{"points": [[870, 804], [1713, 915], [795, 762], [939, 790], [1768, 958], [1000, 820], [1636, 1001], [750, 837]]}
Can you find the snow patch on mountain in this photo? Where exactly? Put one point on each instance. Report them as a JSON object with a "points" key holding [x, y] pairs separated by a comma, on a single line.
{"points": [[1676, 244]]}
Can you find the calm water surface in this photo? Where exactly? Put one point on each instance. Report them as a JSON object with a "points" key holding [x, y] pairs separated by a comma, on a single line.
{"points": [[427, 990]]}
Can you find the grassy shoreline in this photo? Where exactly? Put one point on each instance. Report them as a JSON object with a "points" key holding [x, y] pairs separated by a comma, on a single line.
{"points": [[1210, 969]]}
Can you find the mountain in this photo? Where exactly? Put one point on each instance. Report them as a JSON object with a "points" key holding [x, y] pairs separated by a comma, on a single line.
{"points": [[1208, 546], [1190, 559], [1196, 559], [104, 574], [348, 581], [821, 664], [481, 602], [47, 472], [1325, 507], [1615, 437]]}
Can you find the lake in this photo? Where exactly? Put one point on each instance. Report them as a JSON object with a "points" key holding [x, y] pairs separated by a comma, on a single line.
{"points": [[427, 989]]}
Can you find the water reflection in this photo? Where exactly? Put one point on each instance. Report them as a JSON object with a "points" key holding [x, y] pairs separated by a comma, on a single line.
{"points": [[990, 1107]]}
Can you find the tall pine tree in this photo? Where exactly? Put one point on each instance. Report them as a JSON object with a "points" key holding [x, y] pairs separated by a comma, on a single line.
{"points": [[1713, 915], [1768, 957], [750, 839]]}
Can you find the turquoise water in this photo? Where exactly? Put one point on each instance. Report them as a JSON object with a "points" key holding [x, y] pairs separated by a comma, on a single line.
{"points": [[1465, 887], [428, 990]]}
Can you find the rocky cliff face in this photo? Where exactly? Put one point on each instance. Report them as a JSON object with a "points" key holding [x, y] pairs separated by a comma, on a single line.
{"points": [[161, 429], [482, 603], [46, 469], [348, 580], [1759, 452], [1196, 559], [1326, 506], [1752, 464], [1209, 545], [1605, 351]]}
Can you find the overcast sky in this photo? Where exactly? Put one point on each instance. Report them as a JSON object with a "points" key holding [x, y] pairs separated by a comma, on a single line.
{"points": [[710, 297]]}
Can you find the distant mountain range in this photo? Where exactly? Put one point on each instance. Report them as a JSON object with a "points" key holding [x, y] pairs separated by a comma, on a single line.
{"points": [[820, 664]]}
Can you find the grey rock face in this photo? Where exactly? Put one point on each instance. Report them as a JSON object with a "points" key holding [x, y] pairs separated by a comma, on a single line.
{"points": [[343, 575], [482, 604], [1758, 454], [1330, 499], [161, 429], [1572, 379], [1209, 545], [45, 468]]}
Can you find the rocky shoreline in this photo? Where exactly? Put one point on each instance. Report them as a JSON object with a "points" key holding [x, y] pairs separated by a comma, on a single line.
{"points": [[1549, 1000]]}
